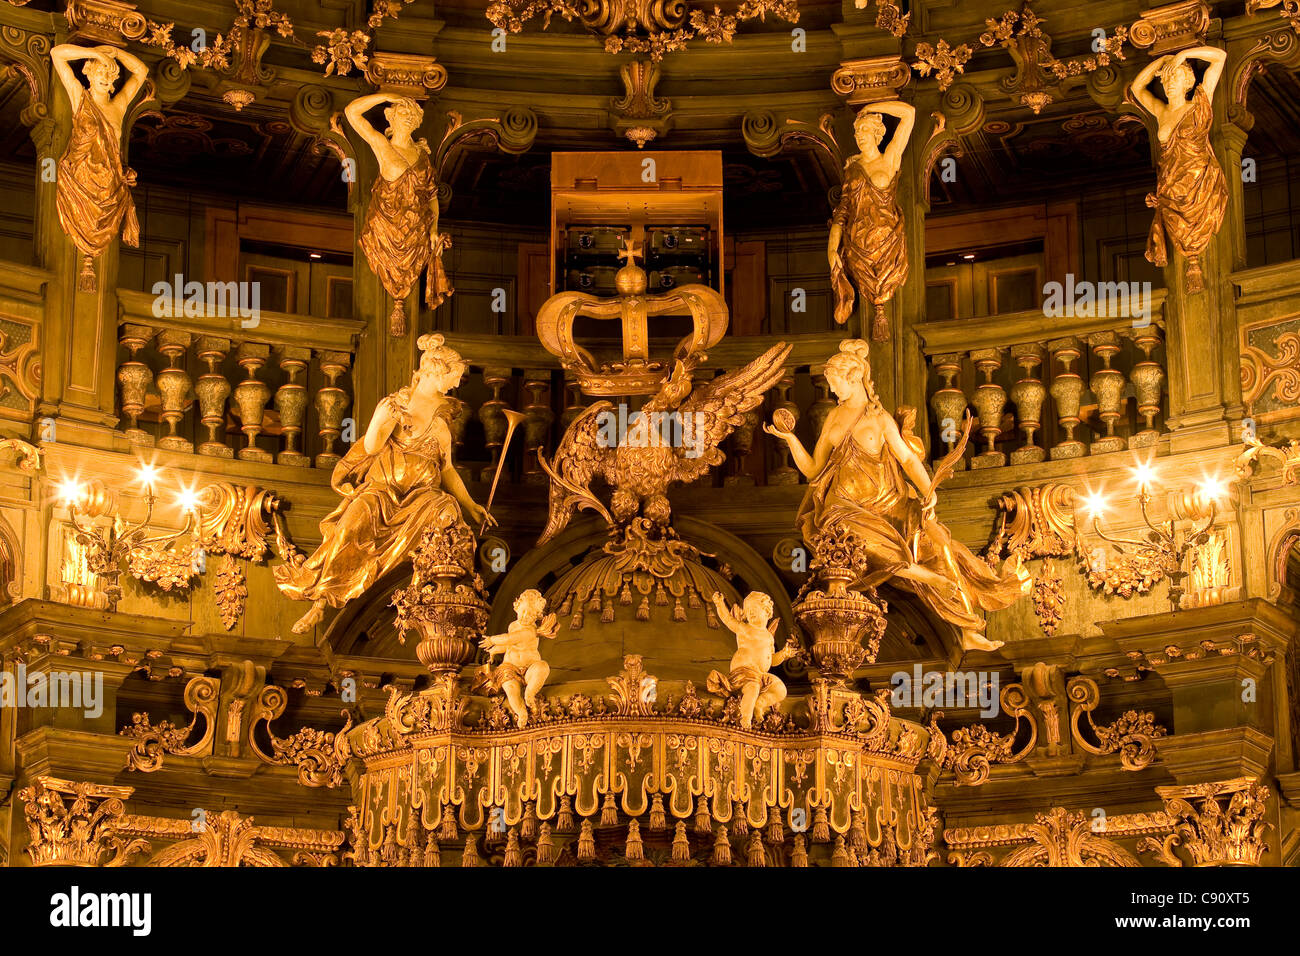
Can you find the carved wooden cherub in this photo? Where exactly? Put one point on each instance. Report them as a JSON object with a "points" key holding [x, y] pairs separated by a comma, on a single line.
{"points": [[522, 672], [756, 654]]}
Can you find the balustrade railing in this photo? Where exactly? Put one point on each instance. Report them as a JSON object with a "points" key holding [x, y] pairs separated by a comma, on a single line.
{"points": [[276, 392], [1046, 389]]}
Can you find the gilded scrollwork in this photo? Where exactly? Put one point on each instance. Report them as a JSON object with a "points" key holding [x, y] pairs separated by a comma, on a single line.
{"points": [[155, 741], [320, 756], [1131, 735]]}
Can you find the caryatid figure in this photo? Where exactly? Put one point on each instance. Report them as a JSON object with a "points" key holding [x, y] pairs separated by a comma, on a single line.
{"points": [[400, 234], [1191, 192], [94, 188], [868, 241]]}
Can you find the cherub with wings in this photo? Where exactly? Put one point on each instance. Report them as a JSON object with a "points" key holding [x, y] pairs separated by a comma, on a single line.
{"points": [[674, 438]]}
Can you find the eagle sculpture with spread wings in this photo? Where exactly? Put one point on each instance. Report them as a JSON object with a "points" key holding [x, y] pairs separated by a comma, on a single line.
{"points": [[674, 439]]}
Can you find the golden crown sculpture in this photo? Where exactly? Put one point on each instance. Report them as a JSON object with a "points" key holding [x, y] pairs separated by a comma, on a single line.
{"points": [[636, 373]]}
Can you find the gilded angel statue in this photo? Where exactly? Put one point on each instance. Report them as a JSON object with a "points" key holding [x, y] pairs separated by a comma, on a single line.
{"points": [[522, 672], [94, 188], [400, 234], [868, 242], [866, 478], [396, 483], [755, 627], [1191, 192], [675, 439]]}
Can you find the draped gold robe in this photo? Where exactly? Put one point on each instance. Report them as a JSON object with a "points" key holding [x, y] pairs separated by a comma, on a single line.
{"points": [[94, 188], [869, 496], [873, 243], [389, 499], [399, 236], [1191, 192]]}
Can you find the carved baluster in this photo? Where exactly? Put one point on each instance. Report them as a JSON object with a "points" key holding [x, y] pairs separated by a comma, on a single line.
{"points": [[494, 423], [251, 396], [742, 443], [1067, 390], [331, 402], [212, 390], [989, 401], [460, 416], [1148, 378], [823, 404], [949, 402], [134, 379], [537, 426], [573, 402], [174, 388], [1028, 394], [291, 403], [1107, 385], [783, 473]]}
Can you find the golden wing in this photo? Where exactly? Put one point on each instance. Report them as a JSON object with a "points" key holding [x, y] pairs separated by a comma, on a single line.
{"points": [[577, 460], [714, 409]]}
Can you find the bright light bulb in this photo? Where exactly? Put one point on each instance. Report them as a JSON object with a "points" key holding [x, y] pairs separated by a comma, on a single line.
{"points": [[70, 491], [148, 475], [1145, 476], [1213, 489], [1095, 502], [188, 500]]}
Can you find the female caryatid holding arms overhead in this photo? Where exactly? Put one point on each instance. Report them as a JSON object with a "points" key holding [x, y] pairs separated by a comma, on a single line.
{"points": [[396, 483], [868, 242], [400, 233], [1191, 193], [866, 479], [94, 188]]}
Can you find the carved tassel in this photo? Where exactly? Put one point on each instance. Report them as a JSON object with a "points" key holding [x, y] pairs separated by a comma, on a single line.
{"points": [[841, 855], [513, 856], [679, 612], [607, 615], [470, 857], [722, 848], [609, 812], [528, 826], [576, 623], [857, 833], [388, 852], [775, 831], [564, 818], [586, 842], [625, 596], [633, 848], [86, 280], [799, 857], [566, 606], [432, 855], [821, 831], [757, 855], [593, 603], [448, 831], [397, 320], [681, 844], [658, 819], [693, 600], [643, 610], [661, 596], [545, 848], [703, 822], [739, 824]]}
